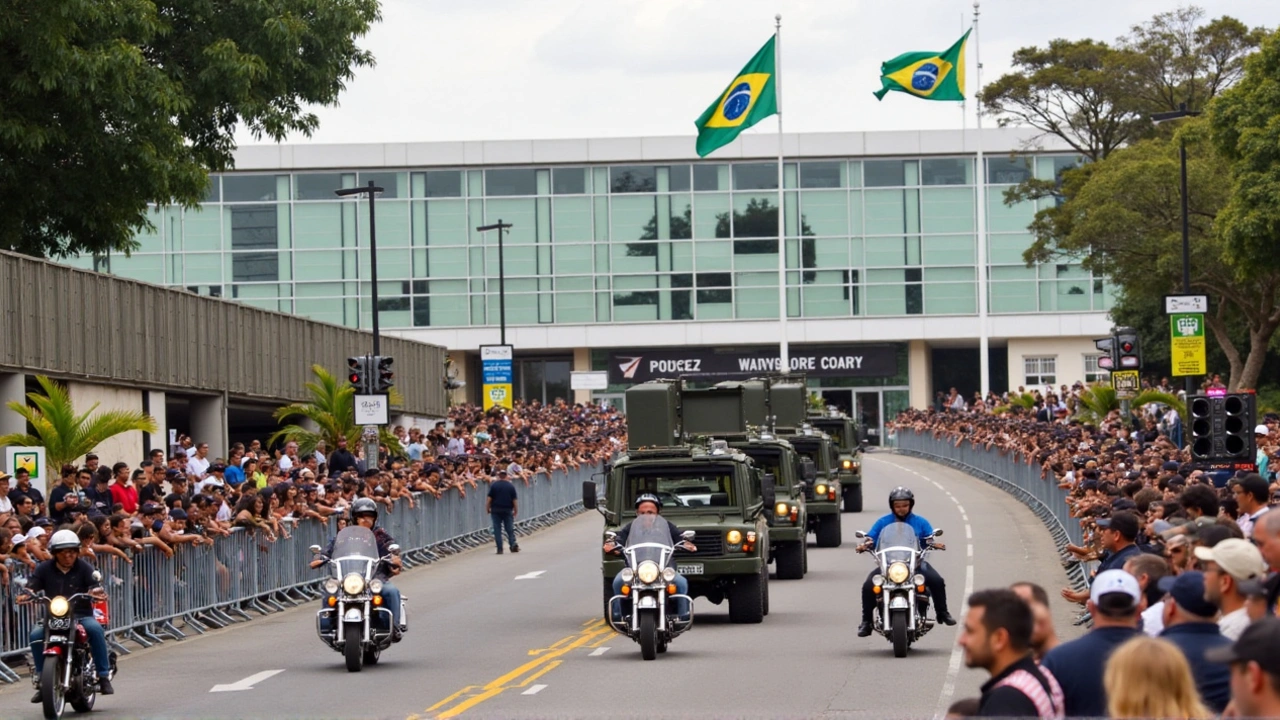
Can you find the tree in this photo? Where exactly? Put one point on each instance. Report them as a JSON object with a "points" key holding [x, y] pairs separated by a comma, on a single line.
{"points": [[1099, 400], [108, 106], [332, 410], [62, 433]]}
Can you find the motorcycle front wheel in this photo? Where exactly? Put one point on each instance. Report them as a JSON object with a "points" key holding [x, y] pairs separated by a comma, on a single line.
{"points": [[352, 633], [898, 633], [648, 635], [52, 694]]}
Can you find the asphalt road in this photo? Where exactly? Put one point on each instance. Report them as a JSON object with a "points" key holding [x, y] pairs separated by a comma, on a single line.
{"points": [[520, 635]]}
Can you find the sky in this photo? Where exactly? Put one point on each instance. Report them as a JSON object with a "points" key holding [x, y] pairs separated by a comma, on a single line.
{"points": [[452, 70]]}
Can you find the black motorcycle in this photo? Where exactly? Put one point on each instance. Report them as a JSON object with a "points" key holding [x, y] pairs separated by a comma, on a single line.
{"points": [[69, 675]]}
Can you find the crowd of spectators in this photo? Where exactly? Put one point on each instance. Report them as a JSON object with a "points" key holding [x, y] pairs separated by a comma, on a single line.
{"points": [[1182, 566]]}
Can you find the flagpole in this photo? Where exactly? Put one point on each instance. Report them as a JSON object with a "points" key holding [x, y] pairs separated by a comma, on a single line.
{"points": [[982, 266], [783, 348], [964, 103]]}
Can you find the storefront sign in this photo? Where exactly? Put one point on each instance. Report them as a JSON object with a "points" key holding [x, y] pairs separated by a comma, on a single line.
{"points": [[628, 368], [1186, 345], [30, 459], [1126, 383], [495, 367]]}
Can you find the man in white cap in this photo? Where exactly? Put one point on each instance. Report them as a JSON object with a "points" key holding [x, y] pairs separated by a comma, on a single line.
{"points": [[1260, 433], [1115, 600], [1227, 565]]}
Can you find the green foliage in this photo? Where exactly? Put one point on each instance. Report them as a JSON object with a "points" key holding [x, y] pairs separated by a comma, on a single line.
{"points": [[64, 434], [1100, 399], [108, 106], [332, 410]]}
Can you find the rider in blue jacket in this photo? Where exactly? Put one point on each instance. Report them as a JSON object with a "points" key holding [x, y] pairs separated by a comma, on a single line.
{"points": [[902, 503]]}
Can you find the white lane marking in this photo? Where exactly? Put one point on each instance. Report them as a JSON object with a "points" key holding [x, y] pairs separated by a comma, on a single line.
{"points": [[247, 683], [531, 575], [957, 653], [598, 652], [534, 690]]}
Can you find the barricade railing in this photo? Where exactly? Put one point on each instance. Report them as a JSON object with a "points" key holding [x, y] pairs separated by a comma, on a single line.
{"points": [[1009, 472], [154, 596]]}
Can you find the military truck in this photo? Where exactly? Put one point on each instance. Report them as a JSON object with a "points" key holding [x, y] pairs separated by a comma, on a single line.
{"points": [[706, 487], [844, 433]]}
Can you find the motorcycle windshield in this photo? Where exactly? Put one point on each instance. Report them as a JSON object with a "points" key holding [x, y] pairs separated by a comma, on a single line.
{"points": [[897, 535], [649, 539], [354, 548]]}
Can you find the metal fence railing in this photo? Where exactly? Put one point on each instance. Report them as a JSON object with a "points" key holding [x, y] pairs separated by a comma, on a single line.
{"points": [[1041, 494], [154, 597]]}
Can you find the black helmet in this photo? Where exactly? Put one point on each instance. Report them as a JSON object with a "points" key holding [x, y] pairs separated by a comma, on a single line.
{"points": [[648, 498], [901, 493], [364, 506]]}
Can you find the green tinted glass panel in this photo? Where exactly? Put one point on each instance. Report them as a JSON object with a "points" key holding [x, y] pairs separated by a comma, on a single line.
{"points": [[634, 218], [572, 219], [709, 211], [947, 210], [949, 249], [202, 229], [885, 212], [1007, 247], [447, 222], [572, 259], [1008, 218], [825, 212]]}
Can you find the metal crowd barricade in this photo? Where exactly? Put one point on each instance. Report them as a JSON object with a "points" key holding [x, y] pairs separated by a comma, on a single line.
{"points": [[156, 597], [1005, 471]]}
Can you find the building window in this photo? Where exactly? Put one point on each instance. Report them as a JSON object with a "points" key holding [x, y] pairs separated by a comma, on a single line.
{"points": [[1093, 373], [1040, 371]]}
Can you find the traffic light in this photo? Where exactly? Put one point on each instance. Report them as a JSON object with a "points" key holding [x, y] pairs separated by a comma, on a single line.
{"points": [[386, 376], [1222, 430], [358, 373], [1128, 354], [1108, 346]]}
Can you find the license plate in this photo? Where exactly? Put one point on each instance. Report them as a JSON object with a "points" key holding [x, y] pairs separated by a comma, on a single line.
{"points": [[690, 569]]}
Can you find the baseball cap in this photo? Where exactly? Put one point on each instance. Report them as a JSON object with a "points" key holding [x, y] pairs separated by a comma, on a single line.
{"points": [[18, 539], [172, 473], [1261, 430], [1238, 558], [1123, 522], [1257, 643], [150, 508], [35, 532], [1187, 591], [1115, 581], [177, 514], [217, 467], [1170, 465]]}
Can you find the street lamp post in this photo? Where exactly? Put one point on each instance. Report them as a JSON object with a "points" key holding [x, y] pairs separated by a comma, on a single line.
{"points": [[502, 277], [1183, 112], [370, 432]]}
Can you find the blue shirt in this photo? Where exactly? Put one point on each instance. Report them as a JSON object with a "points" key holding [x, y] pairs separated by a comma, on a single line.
{"points": [[1213, 680], [233, 475], [1079, 665], [919, 524]]}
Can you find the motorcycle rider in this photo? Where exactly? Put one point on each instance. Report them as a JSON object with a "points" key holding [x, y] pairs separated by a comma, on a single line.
{"points": [[648, 506], [902, 503], [364, 512], [66, 575]]}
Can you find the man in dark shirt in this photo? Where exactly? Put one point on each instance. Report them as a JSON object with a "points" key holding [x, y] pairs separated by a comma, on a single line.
{"points": [[502, 506], [22, 488], [153, 490], [340, 460], [1118, 534], [1189, 624], [66, 497], [1114, 601], [997, 638], [98, 494]]}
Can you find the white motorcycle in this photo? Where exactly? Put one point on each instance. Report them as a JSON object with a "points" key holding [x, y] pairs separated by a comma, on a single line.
{"points": [[354, 619], [902, 602], [648, 583]]}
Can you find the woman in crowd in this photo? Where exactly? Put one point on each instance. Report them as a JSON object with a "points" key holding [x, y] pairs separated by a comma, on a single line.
{"points": [[1150, 678]]}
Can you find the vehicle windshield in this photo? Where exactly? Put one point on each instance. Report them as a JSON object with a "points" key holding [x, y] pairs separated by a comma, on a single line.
{"points": [[768, 460], [897, 535], [358, 544], [649, 539], [683, 489], [834, 429], [812, 449]]}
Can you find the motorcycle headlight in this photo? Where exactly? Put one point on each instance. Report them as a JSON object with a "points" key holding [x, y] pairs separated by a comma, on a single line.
{"points": [[375, 586], [782, 509], [628, 574], [353, 584], [669, 574], [331, 586], [821, 489], [917, 580], [647, 572], [58, 607], [898, 573], [734, 537]]}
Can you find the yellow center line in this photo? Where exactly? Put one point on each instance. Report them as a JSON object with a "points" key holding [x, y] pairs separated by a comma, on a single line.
{"points": [[468, 697]]}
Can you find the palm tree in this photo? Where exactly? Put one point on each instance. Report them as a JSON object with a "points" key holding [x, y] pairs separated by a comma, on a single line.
{"points": [[1099, 399], [1026, 401], [62, 433], [332, 409]]}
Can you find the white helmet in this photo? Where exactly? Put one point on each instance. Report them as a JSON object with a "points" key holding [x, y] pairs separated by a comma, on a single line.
{"points": [[64, 540]]}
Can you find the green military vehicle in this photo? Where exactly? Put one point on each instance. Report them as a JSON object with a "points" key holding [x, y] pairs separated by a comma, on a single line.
{"points": [[706, 487], [844, 433]]}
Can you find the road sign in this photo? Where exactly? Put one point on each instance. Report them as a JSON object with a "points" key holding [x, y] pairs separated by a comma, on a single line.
{"points": [[1174, 304], [1126, 383], [497, 374], [1186, 344], [372, 409], [589, 380]]}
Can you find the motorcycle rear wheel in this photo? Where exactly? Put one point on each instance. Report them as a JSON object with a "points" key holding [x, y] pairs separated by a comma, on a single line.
{"points": [[52, 694], [352, 650], [898, 633], [648, 635]]}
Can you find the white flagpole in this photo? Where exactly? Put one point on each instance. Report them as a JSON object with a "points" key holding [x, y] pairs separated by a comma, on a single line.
{"points": [[783, 348], [982, 265], [964, 104]]}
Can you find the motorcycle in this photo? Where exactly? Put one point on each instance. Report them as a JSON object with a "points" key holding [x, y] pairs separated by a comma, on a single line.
{"points": [[69, 675], [648, 582], [353, 619], [902, 602]]}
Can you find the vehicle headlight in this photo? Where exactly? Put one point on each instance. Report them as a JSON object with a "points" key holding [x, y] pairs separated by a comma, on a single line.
{"points": [[375, 586], [917, 580], [782, 509], [856, 466], [628, 574], [353, 584], [848, 464], [734, 537], [877, 579], [647, 572], [669, 574], [898, 573], [821, 489], [331, 586], [58, 607]]}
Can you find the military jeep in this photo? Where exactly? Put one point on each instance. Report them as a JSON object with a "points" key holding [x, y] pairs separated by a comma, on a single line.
{"points": [[844, 433]]}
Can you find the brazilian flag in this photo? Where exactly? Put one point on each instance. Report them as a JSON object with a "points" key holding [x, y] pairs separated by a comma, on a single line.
{"points": [[749, 99], [928, 75]]}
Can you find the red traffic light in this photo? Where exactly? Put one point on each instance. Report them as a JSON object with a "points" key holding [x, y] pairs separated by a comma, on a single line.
{"points": [[354, 378], [1126, 347]]}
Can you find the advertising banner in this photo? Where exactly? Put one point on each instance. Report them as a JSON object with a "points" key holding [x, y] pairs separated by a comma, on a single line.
{"points": [[640, 366], [497, 375], [1186, 345]]}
